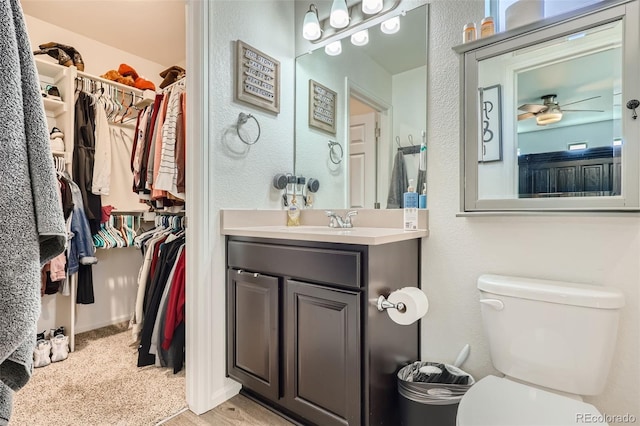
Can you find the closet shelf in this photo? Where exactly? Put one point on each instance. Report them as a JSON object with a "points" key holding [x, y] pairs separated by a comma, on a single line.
{"points": [[50, 69], [54, 107], [146, 97]]}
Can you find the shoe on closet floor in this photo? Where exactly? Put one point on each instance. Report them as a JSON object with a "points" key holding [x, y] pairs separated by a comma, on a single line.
{"points": [[42, 352], [59, 347]]}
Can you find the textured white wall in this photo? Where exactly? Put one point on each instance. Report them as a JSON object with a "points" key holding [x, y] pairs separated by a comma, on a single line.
{"points": [[241, 176], [597, 249], [98, 57]]}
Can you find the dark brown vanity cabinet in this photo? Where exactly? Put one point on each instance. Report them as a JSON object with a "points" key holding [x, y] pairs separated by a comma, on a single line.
{"points": [[303, 334]]}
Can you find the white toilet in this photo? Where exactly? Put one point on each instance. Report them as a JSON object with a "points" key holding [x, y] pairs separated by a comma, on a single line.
{"points": [[554, 342]]}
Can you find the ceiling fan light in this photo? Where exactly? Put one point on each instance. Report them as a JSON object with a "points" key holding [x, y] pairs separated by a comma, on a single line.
{"points": [[370, 7], [391, 26], [548, 118], [360, 38], [311, 26], [333, 49], [339, 17]]}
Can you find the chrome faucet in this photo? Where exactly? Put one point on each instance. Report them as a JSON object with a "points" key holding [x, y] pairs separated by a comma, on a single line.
{"points": [[336, 221]]}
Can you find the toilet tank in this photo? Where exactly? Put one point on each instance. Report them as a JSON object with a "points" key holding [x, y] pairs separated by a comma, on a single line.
{"points": [[555, 334]]}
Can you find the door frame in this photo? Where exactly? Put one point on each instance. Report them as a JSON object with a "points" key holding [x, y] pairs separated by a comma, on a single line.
{"points": [[385, 116]]}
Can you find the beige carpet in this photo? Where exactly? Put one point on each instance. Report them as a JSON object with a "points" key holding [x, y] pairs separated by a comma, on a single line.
{"points": [[99, 384]]}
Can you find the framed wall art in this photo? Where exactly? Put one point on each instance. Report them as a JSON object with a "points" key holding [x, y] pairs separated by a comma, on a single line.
{"points": [[322, 107], [490, 146], [257, 78]]}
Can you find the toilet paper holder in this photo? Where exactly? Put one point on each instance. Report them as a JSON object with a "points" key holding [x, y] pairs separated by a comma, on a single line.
{"points": [[383, 304]]}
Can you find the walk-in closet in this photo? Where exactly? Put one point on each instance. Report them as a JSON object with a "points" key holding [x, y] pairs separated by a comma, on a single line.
{"points": [[111, 343]]}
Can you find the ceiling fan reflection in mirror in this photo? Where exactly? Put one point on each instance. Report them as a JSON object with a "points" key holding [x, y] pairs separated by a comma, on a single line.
{"points": [[549, 111]]}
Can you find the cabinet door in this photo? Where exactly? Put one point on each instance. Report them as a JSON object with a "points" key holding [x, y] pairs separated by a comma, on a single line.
{"points": [[323, 369], [252, 331]]}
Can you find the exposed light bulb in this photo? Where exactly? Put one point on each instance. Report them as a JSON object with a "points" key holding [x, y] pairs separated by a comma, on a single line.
{"points": [[371, 6], [360, 38], [333, 49], [311, 26], [391, 26], [339, 17]]}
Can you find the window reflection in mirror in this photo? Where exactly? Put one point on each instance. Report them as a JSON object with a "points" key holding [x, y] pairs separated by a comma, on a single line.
{"points": [[550, 128]]}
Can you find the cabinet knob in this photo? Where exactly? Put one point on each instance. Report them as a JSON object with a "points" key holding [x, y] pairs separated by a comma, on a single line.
{"points": [[256, 275], [240, 271]]}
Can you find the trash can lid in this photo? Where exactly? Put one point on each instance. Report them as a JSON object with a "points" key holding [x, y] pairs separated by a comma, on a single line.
{"points": [[502, 402]]}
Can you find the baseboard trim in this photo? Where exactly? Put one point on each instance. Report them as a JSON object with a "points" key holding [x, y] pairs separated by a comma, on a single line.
{"points": [[84, 328], [230, 390]]}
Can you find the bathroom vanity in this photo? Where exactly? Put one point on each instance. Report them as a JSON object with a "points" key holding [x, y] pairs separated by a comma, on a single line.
{"points": [[304, 335]]}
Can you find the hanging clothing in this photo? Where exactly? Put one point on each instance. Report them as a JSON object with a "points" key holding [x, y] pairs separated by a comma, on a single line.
{"points": [[83, 158], [101, 179], [31, 227], [120, 196]]}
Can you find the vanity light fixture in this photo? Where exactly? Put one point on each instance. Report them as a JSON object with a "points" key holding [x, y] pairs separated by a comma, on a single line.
{"points": [[370, 7], [347, 19], [391, 26], [311, 26], [360, 38], [339, 17], [333, 49]]}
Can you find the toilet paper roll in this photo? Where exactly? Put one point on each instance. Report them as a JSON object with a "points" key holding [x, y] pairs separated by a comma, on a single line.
{"points": [[523, 12], [415, 302]]}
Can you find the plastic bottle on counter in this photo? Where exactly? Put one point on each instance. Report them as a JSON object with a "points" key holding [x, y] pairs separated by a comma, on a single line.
{"points": [[487, 27], [469, 32]]}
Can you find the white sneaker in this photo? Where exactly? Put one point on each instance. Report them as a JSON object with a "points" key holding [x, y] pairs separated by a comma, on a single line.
{"points": [[59, 348], [57, 144], [41, 353]]}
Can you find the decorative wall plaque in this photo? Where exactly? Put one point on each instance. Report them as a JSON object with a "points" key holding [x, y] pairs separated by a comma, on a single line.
{"points": [[322, 107], [257, 78]]}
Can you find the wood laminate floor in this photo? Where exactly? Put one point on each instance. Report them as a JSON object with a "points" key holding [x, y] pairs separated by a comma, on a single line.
{"points": [[239, 410]]}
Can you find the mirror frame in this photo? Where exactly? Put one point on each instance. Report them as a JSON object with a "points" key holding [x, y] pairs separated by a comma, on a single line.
{"points": [[539, 32]]}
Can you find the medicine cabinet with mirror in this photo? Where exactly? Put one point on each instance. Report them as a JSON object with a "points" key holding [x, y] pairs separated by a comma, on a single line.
{"points": [[545, 124], [381, 85]]}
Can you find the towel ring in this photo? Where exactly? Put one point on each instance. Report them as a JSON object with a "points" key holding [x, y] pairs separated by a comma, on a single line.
{"points": [[242, 119], [335, 157]]}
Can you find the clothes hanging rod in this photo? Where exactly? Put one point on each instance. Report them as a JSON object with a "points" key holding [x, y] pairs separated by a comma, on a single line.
{"points": [[408, 150], [124, 87]]}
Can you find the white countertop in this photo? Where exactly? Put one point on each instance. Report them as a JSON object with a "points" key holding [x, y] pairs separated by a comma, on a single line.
{"points": [[363, 236], [270, 224]]}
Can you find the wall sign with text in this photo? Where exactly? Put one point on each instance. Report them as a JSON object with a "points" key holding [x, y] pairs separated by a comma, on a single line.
{"points": [[490, 140], [257, 78], [322, 107]]}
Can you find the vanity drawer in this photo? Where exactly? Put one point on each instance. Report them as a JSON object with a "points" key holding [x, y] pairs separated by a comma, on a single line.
{"points": [[316, 264]]}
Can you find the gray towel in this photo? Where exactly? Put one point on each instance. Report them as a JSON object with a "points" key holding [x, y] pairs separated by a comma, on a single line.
{"points": [[399, 183], [31, 224]]}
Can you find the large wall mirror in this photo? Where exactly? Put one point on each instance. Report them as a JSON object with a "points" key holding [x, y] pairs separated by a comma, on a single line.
{"points": [[381, 85], [546, 124]]}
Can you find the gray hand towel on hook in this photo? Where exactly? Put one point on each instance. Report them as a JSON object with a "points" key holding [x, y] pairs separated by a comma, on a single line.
{"points": [[399, 182]]}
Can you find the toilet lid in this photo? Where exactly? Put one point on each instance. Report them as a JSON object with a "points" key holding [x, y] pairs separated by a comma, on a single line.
{"points": [[493, 401]]}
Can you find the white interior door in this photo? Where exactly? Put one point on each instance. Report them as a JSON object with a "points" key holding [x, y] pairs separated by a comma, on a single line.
{"points": [[362, 160]]}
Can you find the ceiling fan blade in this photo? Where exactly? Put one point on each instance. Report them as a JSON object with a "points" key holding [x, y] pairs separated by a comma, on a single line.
{"points": [[525, 115], [582, 100], [582, 110], [534, 108]]}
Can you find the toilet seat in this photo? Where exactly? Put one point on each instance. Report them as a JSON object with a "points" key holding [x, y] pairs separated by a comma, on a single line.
{"points": [[495, 401]]}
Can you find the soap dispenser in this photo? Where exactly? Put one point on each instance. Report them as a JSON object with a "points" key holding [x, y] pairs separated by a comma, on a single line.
{"points": [[422, 202], [411, 196]]}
